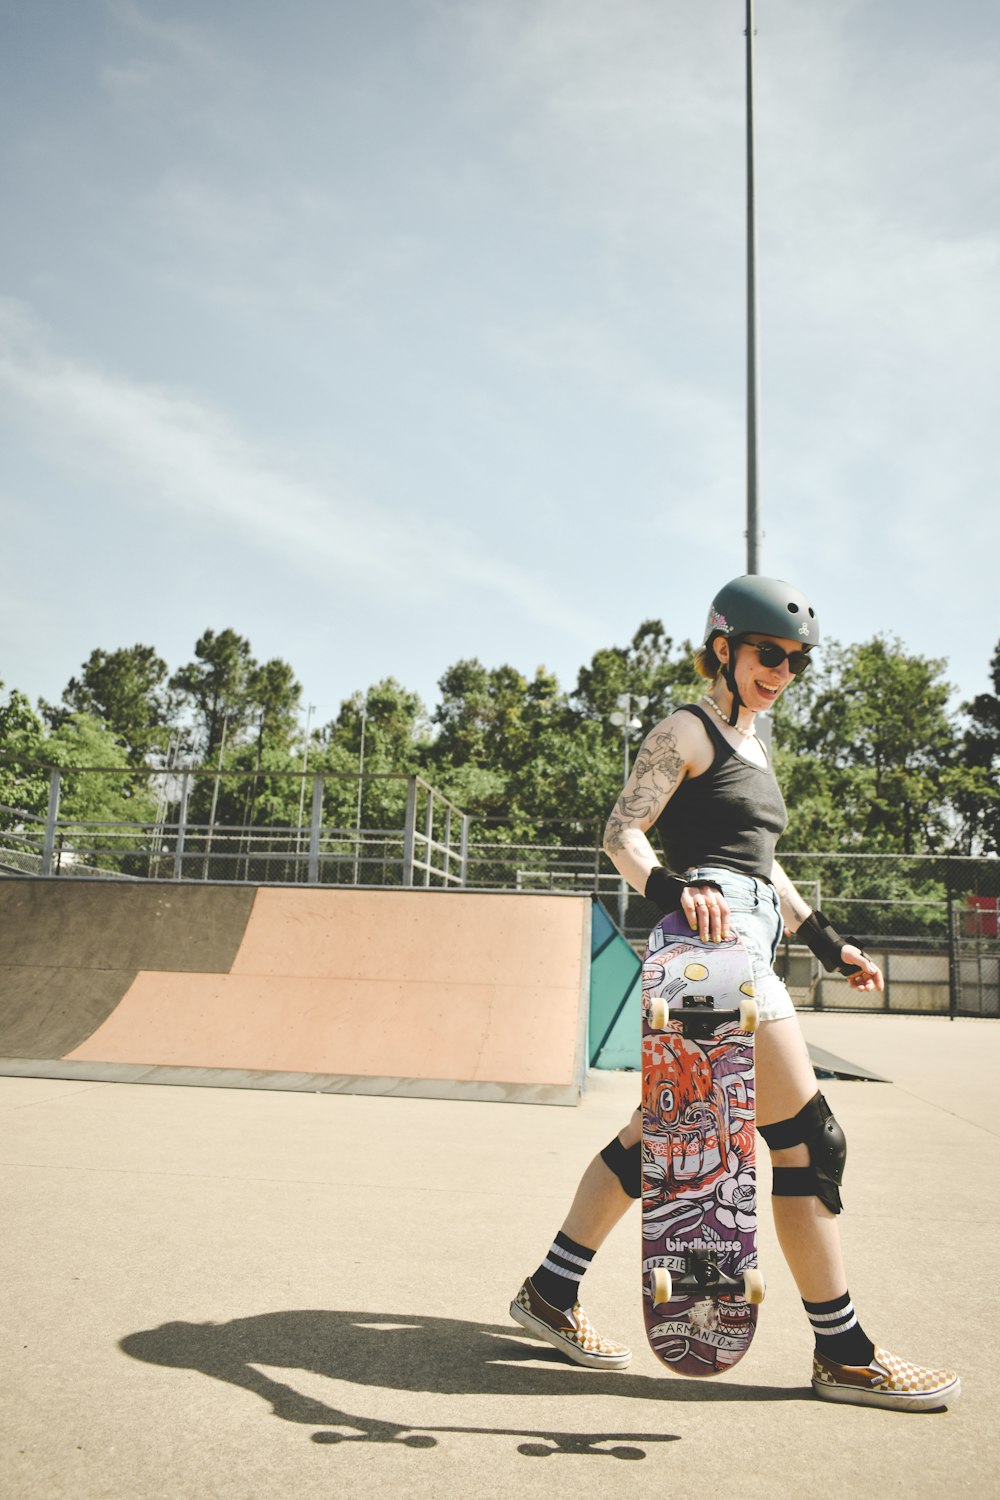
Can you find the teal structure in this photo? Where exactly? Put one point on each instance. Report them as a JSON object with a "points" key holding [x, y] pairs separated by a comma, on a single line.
{"points": [[615, 1032]]}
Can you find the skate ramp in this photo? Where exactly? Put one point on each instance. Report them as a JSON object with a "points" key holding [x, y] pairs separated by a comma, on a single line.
{"points": [[71, 949], [437, 993], [615, 996]]}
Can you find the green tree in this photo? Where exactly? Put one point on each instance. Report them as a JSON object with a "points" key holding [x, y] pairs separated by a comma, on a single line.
{"points": [[217, 688], [563, 794], [244, 718], [513, 752], [865, 752], [589, 761], [263, 742], [395, 728], [496, 729], [234, 699], [274, 698], [649, 666], [84, 742], [974, 797], [973, 788], [80, 741], [817, 787], [126, 689], [480, 716], [23, 787], [535, 765], [867, 746]]}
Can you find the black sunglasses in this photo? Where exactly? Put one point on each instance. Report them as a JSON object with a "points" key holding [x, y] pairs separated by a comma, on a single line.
{"points": [[772, 656]]}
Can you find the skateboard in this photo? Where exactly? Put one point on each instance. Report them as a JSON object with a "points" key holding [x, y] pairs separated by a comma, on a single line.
{"points": [[701, 1285]]}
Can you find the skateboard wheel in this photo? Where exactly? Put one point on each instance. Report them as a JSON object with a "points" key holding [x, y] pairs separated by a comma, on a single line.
{"points": [[658, 1014], [748, 1013], [753, 1286], [660, 1285]]}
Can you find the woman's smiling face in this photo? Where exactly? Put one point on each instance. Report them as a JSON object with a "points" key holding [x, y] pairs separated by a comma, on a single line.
{"points": [[759, 687]]}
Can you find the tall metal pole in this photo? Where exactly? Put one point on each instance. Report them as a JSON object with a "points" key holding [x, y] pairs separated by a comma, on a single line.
{"points": [[628, 721], [753, 363]]}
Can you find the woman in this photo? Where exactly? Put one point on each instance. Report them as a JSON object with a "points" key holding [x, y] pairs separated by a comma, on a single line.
{"points": [[705, 780]]}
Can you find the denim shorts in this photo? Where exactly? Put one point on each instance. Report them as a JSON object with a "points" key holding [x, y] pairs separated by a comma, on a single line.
{"points": [[756, 916]]}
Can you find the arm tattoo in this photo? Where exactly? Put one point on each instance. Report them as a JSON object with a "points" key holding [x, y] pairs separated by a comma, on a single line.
{"points": [[658, 769], [620, 836]]}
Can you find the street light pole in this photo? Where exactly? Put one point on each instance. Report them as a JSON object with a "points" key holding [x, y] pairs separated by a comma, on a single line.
{"points": [[753, 360], [753, 533], [629, 722]]}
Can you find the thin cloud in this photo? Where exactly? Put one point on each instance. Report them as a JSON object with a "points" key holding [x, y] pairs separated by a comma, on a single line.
{"points": [[180, 41], [168, 449]]}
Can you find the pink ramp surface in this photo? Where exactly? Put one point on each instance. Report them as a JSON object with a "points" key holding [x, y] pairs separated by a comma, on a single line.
{"points": [[375, 984]]}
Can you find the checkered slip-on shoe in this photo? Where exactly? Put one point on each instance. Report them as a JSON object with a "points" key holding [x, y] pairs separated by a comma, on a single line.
{"points": [[571, 1332], [887, 1381]]}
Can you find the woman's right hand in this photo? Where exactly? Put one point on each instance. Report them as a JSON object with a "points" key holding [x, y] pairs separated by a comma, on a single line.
{"points": [[707, 912]]}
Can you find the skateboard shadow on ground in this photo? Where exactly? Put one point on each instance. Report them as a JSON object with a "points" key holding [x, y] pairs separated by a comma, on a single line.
{"points": [[400, 1352]]}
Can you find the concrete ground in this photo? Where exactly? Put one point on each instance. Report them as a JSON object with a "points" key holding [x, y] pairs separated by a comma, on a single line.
{"points": [[234, 1294]]}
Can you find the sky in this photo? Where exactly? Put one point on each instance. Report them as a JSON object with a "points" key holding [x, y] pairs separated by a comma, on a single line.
{"points": [[395, 334]]}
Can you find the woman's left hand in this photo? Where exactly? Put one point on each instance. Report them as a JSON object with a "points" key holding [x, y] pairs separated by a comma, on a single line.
{"points": [[869, 975]]}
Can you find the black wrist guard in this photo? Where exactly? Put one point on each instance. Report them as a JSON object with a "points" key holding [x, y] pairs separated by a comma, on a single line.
{"points": [[664, 889], [826, 942]]}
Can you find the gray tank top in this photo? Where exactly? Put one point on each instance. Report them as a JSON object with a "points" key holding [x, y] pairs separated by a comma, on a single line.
{"points": [[731, 815]]}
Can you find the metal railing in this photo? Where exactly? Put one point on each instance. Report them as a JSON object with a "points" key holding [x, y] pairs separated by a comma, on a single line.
{"points": [[419, 838]]}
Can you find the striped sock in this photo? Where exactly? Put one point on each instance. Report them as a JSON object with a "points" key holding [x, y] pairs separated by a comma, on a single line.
{"points": [[558, 1277], [839, 1335]]}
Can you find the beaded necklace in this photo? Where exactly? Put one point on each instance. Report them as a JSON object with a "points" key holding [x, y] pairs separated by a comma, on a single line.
{"points": [[746, 733]]}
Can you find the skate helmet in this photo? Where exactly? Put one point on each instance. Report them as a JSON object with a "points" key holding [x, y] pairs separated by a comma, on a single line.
{"points": [[765, 604], [756, 604]]}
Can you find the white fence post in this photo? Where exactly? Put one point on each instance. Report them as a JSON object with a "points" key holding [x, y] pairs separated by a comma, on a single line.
{"points": [[409, 829], [49, 844]]}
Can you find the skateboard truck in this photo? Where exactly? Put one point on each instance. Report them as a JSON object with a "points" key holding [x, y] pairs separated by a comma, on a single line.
{"points": [[702, 1278], [696, 1013]]}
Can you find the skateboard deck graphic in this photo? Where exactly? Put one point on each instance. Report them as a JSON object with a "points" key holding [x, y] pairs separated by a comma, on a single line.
{"points": [[700, 1280]]}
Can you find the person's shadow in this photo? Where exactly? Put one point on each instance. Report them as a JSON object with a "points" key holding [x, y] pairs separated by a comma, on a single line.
{"points": [[399, 1352]]}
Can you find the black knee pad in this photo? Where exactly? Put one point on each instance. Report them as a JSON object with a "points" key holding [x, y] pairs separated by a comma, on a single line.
{"points": [[814, 1126], [626, 1163]]}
